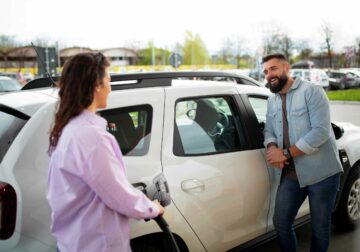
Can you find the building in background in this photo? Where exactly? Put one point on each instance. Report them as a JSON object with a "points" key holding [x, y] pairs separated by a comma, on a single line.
{"points": [[120, 56]]}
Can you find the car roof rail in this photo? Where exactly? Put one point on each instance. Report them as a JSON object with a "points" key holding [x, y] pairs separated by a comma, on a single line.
{"points": [[153, 79]]}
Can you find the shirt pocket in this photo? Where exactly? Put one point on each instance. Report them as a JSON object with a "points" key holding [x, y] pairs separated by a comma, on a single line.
{"points": [[300, 117]]}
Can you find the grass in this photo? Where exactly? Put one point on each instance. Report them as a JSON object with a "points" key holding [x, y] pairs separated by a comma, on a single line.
{"points": [[344, 95]]}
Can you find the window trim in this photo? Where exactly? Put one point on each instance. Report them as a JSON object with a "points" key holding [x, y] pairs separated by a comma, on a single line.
{"points": [[148, 127], [178, 147]]}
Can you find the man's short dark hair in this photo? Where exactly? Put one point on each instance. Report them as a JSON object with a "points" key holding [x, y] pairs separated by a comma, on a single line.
{"points": [[268, 57]]}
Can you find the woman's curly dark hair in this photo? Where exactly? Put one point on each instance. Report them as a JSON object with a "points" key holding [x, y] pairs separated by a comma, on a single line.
{"points": [[79, 78]]}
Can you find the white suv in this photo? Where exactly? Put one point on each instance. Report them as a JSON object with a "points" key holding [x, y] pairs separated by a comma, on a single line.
{"points": [[205, 136], [314, 75]]}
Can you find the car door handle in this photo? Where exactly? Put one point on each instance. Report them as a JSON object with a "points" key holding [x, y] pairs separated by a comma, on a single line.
{"points": [[192, 185]]}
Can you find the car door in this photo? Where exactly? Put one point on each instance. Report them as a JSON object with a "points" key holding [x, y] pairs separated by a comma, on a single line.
{"points": [[257, 104], [135, 118], [219, 185]]}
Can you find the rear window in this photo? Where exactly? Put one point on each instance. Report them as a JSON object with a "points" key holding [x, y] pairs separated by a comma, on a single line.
{"points": [[336, 75], [10, 127]]}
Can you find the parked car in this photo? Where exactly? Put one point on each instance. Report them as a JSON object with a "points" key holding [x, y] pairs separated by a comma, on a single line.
{"points": [[205, 137], [8, 74], [354, 73], [8, 84], [314, 75], [257, 74], [341, 80]]}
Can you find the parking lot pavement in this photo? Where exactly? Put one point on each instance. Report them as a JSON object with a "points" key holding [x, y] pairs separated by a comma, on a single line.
{"points": [[340, 241], [345, 112]]}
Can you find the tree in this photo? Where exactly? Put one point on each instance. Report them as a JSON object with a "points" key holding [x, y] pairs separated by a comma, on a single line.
{"points": [[232, 48], [7, 42], [286, 45], [357, 41], [152, 55], [194, 50], [328, 44], [136, 46], [303, 49], [43, 42], [278, 41], [226, 52]]}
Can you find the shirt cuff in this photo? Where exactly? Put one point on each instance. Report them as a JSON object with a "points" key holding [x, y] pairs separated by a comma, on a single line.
{"points": [[153, 210], [269, 140], [305, 147]]}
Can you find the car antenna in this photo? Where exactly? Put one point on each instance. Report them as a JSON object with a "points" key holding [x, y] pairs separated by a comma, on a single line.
{"points": [[53, 84]]}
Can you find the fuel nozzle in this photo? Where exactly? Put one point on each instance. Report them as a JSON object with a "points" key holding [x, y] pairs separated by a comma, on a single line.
{"points": [[159, 190]]}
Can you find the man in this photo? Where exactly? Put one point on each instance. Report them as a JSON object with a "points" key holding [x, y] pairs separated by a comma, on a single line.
{"points": [[301, 145]]}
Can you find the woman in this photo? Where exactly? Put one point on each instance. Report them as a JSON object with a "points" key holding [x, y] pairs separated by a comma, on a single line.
{"points": [[90, 197]]}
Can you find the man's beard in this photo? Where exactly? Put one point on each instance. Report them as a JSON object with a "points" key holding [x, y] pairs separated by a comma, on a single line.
{"points": [[276, 88]]}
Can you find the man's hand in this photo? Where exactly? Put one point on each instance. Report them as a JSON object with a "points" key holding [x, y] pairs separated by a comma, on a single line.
{"points": [[275, 156]]}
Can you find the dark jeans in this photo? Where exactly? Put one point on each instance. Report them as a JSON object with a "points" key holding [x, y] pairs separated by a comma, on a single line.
{"points": [[289, 198]]}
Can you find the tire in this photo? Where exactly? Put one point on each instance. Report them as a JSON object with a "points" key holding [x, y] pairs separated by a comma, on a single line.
{"points": [[347, 215]]}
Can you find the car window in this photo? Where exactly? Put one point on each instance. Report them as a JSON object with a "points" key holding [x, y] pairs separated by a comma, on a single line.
{"points": [[350, 75], [259, 105], [206, 125], [131, 126], [10, 127]]}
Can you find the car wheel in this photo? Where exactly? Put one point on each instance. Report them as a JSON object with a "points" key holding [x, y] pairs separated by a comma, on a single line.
{"points": [[347, 214]]}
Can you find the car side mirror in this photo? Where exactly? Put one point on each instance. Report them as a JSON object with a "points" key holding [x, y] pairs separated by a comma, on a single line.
{"points": [[191, 114]]}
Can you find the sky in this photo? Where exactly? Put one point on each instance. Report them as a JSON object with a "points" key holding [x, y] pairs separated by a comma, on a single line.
{"points": [[121, 23]]}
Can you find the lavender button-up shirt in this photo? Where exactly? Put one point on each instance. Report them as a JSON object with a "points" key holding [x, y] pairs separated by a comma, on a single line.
{"points": [[88, 192]]}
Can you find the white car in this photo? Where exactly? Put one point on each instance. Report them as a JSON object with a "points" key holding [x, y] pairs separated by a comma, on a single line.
{"points": [[8, 84], [204, 136], [314, 75]]}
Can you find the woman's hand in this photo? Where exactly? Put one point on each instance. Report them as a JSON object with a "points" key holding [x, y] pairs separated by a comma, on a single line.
{"points": [[162, 209]]}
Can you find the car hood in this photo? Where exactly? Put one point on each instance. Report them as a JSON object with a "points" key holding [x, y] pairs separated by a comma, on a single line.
{"points": [[28, 102]]}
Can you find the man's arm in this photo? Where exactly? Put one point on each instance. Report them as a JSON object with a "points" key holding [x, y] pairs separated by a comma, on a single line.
{"points": [[319, 114]]}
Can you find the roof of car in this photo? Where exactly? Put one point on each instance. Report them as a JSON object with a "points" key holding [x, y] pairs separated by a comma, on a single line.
{"points": [[143, 80], [29, 100]]}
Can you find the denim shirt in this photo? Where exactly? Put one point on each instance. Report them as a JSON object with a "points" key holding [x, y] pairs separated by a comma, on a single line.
{"points": [[308, 115]]}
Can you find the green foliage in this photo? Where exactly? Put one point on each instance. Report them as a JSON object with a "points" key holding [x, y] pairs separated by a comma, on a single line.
{"points": [[279, 42], [194, 50], [161, 56], [344, 95], [7, 42]]}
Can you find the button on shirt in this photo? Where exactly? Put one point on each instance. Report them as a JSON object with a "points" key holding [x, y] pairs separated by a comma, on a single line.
{"points": [[88, 192]]}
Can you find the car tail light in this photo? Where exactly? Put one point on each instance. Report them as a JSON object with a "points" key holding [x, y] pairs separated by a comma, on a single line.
{"points": [[7, 210]]}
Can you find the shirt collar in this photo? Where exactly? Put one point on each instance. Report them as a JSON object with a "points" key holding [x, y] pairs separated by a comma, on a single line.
{"points": [[296, 83], [93, 118]]}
